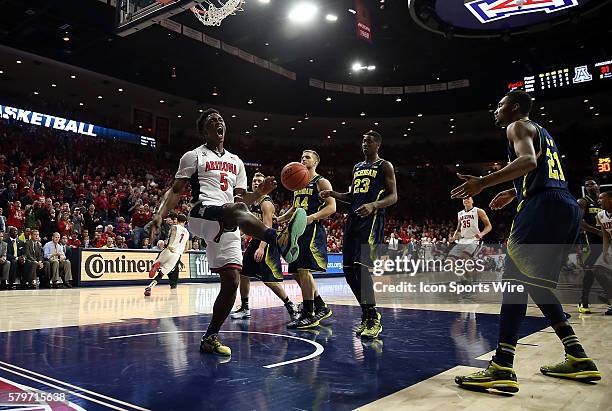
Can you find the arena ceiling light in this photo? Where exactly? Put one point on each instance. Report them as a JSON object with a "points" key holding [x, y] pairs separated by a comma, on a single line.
{"points": [[1, 72], [303, 13], [120, 90], [18, 62], [73, 76], [53, 85], [357, 66], [331, 17], [399, 99], [264, 1]]}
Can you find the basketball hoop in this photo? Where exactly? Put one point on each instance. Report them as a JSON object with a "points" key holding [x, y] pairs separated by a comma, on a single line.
{"points": [[211, 15]]}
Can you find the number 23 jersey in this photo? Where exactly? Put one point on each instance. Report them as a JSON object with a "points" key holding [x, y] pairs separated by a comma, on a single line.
{"points": [[213, 177], [368, 184]]}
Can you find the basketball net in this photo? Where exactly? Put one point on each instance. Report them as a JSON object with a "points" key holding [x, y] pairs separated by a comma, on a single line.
{"points": [[211, 15]]}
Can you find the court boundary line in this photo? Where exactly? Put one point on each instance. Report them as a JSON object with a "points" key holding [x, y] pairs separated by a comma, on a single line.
{"points": [[4, 365], [27, 388], [318, 347]]}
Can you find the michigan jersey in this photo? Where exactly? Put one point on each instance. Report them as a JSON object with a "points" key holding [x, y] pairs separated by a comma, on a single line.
{"points": [[549, 171], [308, 197], [591, 218], [213, 176], [468, 222], [255, 208], [368, 184]]}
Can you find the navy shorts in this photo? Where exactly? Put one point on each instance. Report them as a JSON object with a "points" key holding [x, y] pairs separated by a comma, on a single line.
{"points": [[362, 239], [544, 230], [269, 269], [313, 249]]}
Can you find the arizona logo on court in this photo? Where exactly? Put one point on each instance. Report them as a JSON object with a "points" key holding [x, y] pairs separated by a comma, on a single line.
{"points": [[491, 10]]}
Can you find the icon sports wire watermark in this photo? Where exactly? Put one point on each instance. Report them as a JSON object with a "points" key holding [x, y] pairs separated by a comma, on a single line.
{"points": [[437, 273]]}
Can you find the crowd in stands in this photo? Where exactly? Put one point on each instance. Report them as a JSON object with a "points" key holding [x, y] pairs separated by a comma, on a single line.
{"points": [[94, 193]]}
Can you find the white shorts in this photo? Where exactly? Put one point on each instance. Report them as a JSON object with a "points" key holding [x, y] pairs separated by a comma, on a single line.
{"points": [[167, 260], [464, 250], [227, 253], [601, 263]]}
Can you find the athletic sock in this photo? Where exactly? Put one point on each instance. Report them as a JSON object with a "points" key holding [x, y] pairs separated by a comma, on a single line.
{"points": [[270, 236], [245, 303], [308, 306], [570, 341], [504, 354], [318, 302]]}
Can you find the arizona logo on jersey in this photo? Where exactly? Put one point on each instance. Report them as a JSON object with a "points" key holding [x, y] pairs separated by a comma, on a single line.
{"points": [[491, 10]]}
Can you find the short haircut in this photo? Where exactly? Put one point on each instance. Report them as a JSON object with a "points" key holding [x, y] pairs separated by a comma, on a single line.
{"points": [[314, 153], [374, 134], [523, 99], [258, 174], [202, 119], [584, 180], [172, 215], [607, 193], [181, 218]]}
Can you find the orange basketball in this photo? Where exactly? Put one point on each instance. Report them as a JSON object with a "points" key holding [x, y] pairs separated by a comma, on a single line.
{"points": [[295, 176]]}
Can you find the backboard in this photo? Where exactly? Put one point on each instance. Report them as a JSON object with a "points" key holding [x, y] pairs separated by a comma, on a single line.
{"points": [[135, 15]]}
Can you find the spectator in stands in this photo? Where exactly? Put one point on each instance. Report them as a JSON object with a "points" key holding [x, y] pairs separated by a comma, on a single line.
{"points": [[393, 245], [121, 242], [110, 242], [58, 264], [146, 243], [36, 266], [196, 244], [5, 265], [92, 219], [16, 215], [25, 236], [15, 254], [68, 248], [159, 246], [77, 221], [139, 220]]}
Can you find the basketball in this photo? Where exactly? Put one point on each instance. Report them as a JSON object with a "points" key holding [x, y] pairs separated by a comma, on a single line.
{"points": [[294, 176]]}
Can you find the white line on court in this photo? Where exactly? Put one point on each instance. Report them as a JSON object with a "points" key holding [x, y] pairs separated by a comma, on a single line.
{"points": [[4, 365], [318, 347]]}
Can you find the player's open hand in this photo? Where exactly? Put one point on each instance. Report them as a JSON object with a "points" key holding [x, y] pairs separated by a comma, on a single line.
{"points": [[323, 194], [259, 253], [268, 185], [502, 199], [472, 186], [365, 210]]}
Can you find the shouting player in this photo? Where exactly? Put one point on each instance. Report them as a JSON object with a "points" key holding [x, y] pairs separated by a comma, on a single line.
{"points": [[536, 249], [262, 260], [372, 190], [169, 257], [313, 244], [219, 198]]}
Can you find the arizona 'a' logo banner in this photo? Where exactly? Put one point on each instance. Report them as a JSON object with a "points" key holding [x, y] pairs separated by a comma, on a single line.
{"points": [[491, 10]]}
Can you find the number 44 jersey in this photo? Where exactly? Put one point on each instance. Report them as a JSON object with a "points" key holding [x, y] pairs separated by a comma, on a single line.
{"points": [[213, 176]]}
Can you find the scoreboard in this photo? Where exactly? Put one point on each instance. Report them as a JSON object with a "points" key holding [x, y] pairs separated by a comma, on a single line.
{"points": [[603, 164], [564, 77]]}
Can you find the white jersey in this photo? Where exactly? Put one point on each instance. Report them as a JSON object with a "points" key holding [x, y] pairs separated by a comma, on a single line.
{"points": [[179, 240], [468, 221], [213, 177], [605, 220]]}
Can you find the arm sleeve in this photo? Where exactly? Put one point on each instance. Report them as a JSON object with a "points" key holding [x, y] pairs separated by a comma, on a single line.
{"points": [[188, 165], [241, 178]]}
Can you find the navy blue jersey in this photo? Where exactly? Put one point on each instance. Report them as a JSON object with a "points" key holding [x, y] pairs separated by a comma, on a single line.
{"points": [[255, 208], [308, 197], [368, 184], [548, 174]]}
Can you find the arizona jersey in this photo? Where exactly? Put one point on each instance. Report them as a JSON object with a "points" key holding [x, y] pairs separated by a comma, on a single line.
{"points": [[213, 176], [605, 219], [308, 197], [548, 174], [368, 184], [468, 221], [590, 217], [179, 239], [255, 208]]}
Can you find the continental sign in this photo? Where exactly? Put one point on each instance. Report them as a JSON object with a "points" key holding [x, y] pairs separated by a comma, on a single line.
{"points": [[123, 265]]}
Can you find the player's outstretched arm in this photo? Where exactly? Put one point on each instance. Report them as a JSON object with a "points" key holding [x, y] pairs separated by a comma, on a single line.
{"points": [[330, 203], [169, 202], [286, 216], [457, 234], [485, 220], [344, 197], [249, 197], [521, 137]]}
